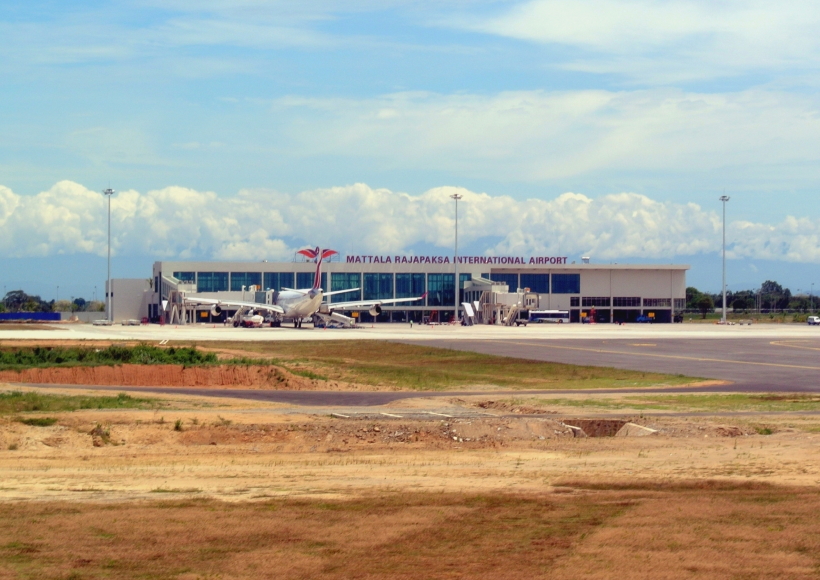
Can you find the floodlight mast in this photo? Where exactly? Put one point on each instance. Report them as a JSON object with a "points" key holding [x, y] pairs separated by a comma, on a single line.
{"points": [[456, 197], [108, 311], [724, 199]]}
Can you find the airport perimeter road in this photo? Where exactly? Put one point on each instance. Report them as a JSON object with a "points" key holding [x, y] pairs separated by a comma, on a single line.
{"points": [[752, 364], [335, 401]]}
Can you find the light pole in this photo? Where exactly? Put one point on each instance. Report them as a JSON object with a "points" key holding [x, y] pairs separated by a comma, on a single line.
{"points": [[108, 192], [724, 199], [456, 197], [811, 298]]}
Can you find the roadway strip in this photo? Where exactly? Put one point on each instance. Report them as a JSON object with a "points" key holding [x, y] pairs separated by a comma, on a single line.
{"points": [[653, 355]]}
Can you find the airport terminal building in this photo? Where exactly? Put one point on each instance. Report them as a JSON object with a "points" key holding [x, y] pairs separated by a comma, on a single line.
{"points": [[617, 292]]}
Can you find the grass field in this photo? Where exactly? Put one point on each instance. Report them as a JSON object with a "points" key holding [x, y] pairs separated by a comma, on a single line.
{"points": [[425, 368], [715, 531], [12, 402]]}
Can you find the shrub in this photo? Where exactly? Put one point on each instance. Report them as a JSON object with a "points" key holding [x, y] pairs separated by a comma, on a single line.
{"points": [[38, 421]]}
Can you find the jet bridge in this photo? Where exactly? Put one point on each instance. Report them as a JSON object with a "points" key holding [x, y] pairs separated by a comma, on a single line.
{"points": [[495, 304], [172, 299]]}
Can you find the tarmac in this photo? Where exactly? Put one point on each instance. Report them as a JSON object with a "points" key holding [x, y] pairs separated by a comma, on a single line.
{"points": [[758, 358]]}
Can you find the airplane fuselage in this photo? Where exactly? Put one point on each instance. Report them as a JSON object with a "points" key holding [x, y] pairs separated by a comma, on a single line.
{"points": [[301, 304]]}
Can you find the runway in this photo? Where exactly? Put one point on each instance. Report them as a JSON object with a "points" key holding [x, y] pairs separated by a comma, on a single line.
{"points": [[752, 364]]}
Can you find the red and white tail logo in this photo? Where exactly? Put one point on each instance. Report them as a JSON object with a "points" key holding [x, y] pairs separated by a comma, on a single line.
{"points": [[317, 254]]}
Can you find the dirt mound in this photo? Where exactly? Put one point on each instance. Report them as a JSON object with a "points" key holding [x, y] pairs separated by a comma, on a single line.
{"points": [[261, 376], [512, 408]]}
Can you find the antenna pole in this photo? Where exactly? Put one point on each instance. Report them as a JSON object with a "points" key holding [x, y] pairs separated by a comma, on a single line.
{"points": [[108, 294]]}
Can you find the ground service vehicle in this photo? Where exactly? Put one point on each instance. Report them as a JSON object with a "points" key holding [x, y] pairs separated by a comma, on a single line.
{"points": [[814, 320], [558, 316]]}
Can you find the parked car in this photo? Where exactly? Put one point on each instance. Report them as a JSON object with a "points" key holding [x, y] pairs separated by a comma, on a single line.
{"points": [[814, 320], [644, 318]]}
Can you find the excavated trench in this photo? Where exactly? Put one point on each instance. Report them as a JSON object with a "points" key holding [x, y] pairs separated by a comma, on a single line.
{"points": [[596, 427]]}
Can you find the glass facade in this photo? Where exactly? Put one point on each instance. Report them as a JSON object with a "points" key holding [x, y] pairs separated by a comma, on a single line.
{"points": [[441, 290], [539, 283], [595, 301], [189, 277], [462, 280], [626, 301], [410, 286], [305, 280], [378, 286], [246, 279], [343, 281], [278, 280], [212, 282], [511, 280], [566, 283]]}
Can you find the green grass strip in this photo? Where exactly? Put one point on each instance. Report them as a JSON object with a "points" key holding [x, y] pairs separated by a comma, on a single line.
{"points": [[142, 354], [12, 402]]}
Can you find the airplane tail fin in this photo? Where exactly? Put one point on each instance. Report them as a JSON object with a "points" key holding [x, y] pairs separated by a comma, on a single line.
{"points": [[317, 254]]}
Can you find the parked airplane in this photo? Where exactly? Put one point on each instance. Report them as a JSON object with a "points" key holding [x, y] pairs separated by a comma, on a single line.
{"points": [[298, 305]]}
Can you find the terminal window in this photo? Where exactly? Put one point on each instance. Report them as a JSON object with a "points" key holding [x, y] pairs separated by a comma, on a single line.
{"points": [[278, 280], [566, 283], [462, 280], [188, 277], [378, 286], [595, 301], [246, 279], [626, 301], [344, 281], [305, 280], [441, 290], [575, 302], [212, 282], [410, 286], [511, 280], [657, 302], [539, 283]]}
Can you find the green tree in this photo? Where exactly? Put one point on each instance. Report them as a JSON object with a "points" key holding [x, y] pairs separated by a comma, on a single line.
{"points": [[705, 304], [693, 296]]}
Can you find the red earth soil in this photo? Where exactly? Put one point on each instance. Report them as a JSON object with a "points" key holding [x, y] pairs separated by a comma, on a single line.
{"points": [[261, 376]]}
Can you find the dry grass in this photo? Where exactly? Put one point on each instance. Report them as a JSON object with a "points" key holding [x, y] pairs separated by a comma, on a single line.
{"points": [[699, 531]]}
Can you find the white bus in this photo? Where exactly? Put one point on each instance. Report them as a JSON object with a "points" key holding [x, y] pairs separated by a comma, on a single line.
{"points": [[559, 316]]}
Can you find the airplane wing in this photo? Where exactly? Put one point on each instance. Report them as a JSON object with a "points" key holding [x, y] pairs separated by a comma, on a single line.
{"points": [[362, 304], [236, 303], [340, 292], [323, 293]]}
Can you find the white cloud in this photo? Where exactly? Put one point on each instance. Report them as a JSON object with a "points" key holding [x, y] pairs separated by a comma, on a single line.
{"points": [[540, 135], [661, 41], [182, 223]]}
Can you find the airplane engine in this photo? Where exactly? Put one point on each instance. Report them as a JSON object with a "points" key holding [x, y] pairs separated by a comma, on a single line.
{"points": [[216, 310], [375, 310]]}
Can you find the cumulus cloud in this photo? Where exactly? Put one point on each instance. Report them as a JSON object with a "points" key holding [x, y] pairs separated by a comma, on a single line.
{"points": [[182, 223]]}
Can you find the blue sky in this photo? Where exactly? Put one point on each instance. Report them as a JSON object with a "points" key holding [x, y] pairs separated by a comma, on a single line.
{"points": [[254, 108]]}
